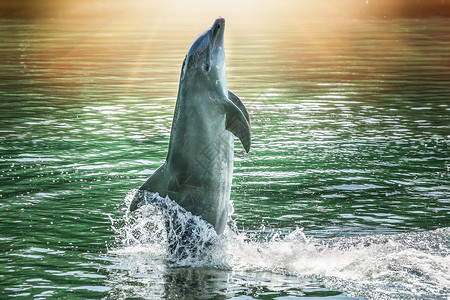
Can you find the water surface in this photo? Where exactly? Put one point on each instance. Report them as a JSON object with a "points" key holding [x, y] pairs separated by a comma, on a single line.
{"points": [[345, 192]]}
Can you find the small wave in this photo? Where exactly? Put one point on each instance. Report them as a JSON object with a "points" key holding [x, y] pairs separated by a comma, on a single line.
{"points": [[412, 265]]}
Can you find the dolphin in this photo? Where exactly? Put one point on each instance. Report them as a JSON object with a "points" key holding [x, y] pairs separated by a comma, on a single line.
{"points": [[198, 170]]}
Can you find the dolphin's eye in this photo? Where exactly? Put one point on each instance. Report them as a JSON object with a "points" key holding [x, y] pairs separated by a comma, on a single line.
{"points": [[218, 26], [206, 67]]}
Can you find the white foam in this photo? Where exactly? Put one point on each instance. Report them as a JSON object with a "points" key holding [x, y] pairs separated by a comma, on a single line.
{"points": [[413, 265], [163, 225], [376, 267]]}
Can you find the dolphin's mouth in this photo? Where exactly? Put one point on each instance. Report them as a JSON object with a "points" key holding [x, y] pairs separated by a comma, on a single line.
{"points": [[217, 33]]}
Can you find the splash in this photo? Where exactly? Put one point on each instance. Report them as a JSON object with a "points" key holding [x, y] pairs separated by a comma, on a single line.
{"points": [[161, 235], [405, 266], [163, 224]]}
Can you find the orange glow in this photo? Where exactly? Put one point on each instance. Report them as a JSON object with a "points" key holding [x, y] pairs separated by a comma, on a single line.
{"points": [[174, 24], [237, 10]]}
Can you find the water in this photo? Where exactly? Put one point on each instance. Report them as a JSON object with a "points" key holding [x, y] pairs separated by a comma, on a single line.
{"points": [[345, 193]]}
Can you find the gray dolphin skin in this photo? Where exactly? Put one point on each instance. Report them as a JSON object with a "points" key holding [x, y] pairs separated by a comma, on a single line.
{"points": [[198, 170]]}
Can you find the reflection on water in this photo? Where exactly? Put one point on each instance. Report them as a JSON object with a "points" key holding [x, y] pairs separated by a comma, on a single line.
{"points": [[350, 124]]}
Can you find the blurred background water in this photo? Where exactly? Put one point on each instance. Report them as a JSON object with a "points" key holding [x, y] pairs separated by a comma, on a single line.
{"points": [[351, 133]]}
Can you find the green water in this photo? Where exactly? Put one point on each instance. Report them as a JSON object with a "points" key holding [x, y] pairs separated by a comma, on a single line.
{"points": [[351, 137]]}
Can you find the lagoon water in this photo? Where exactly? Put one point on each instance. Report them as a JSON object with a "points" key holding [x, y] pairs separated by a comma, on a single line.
{"points": [[345, 193]]}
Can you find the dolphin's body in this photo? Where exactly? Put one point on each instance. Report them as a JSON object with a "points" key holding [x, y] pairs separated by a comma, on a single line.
{"points": [[198, 170]]}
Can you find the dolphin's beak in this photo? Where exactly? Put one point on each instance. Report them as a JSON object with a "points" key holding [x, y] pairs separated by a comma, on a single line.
{"points": [[219, 21], [217, 31]]}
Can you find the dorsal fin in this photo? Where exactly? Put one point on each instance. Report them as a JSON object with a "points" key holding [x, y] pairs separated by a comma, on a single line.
{"points": [[155, 184]]}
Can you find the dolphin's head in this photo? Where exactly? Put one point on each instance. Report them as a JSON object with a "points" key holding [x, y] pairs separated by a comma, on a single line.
{"points": [[205, 61]]}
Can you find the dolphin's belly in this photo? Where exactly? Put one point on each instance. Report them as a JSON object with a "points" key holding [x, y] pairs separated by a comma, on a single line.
{"points": [[201, 176]]}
